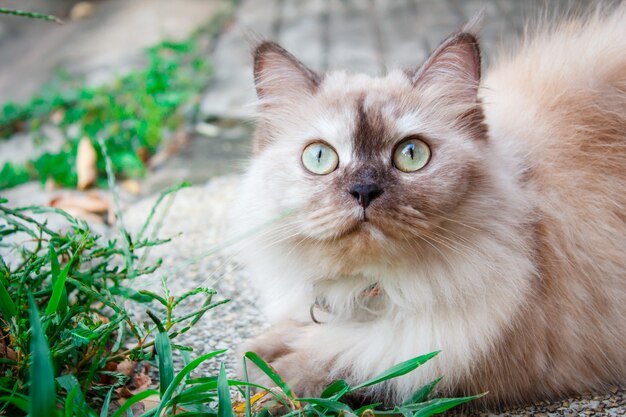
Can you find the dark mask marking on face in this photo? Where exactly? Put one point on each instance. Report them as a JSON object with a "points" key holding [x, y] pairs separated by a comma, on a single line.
{"points": [[369, 133]]}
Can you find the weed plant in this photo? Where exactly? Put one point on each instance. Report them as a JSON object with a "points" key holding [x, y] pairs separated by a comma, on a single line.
{"points": [[132, 114]]}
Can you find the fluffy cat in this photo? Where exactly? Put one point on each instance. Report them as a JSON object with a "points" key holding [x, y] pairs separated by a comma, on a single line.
{"points": [[429, 210]]}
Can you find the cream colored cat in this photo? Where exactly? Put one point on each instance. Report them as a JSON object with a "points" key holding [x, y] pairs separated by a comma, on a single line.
{"points": [[433, 211]]}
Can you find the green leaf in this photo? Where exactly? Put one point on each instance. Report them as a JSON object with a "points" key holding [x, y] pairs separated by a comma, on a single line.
{"points": [[56, 272], [31, 15], [70, 401], [336, 389], [421, 394], [55, 304], [104, 411], [156, 321], [7, 306], [224, 405], [42, 393], [331, 405], [132, 294], [397, 370], [270, 372], [152, 296], [364, 408], [20, 403], [134, 400], [165, 398], [439, 405], [166, 362], [78, 406]]}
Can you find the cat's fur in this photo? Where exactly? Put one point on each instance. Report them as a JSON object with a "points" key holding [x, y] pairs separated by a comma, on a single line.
{"points": [[507, 252]]}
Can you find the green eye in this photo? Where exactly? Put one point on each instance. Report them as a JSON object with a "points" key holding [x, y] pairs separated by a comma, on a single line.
{"points": [[411, 155], [320, 158]]}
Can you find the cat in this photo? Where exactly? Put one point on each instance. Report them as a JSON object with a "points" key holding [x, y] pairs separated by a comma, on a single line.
{"points": [[430, 210]]}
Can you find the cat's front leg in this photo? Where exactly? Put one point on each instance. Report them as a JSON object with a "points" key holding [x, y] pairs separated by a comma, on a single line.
{"points": [[290, 348]]}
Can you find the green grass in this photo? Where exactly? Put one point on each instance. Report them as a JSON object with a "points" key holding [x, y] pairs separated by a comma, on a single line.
{"points": [[131, 114]]}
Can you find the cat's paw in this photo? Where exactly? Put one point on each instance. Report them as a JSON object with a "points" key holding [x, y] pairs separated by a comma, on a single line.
{"points": [[305, 375], [272, 345]]}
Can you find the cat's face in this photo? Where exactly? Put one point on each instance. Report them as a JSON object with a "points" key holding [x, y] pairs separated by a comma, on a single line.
{"points": [[363, 158]]}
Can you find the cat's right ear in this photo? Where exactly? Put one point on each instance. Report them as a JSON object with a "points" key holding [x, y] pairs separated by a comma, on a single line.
{"points": [[281, 77]]}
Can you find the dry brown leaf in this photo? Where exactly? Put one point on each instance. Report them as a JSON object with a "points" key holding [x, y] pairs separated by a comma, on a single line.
{"points": [[82, 10], [123, 393], [141, 381], [126, 367], [91, 203], [86, 159], [90, 207], [151, 402], [7, 352], [131, 186]]}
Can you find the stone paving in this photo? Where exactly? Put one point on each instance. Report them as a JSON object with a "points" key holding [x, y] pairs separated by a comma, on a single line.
{"points": [[356, 35], [107, 42]]}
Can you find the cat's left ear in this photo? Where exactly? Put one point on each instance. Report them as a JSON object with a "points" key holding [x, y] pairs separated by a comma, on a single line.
{"points": [[280, 76], [454, 67]]}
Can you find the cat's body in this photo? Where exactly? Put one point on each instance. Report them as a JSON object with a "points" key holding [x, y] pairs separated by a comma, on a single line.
{"points": [[506, 251]]}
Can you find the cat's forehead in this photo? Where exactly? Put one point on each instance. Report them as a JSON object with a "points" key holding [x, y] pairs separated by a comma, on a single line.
{"points": [[365, 114]]}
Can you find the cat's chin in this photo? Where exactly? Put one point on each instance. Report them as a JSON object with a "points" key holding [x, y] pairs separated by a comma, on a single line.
{"points": [[360, 229]]}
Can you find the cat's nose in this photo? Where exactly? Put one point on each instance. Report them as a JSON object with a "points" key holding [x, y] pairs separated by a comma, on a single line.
{"points": [[365, 193]]}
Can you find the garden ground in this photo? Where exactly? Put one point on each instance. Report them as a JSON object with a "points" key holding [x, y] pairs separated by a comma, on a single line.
{"points": [[358, 35]]}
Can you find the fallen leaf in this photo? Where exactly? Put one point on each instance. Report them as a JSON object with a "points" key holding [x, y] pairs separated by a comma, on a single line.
{"points": [[82, 10], [90, 207], [7, 352], [86, 159], [141, 381], [151, 402], [126, 367], [131, 186]]}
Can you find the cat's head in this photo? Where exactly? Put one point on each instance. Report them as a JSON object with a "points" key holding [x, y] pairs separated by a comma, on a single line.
{"points": [[358, 157]]}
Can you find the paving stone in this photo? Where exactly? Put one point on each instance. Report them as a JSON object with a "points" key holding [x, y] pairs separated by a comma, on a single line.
{"points": [[119, 31]]}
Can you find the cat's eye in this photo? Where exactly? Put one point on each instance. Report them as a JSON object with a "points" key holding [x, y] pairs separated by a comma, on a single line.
{"points": [[320, 158], [411, 155]]}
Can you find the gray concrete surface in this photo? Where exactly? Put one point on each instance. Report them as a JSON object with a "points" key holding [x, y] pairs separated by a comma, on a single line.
{"points": [[108, 42], [357, 35]]}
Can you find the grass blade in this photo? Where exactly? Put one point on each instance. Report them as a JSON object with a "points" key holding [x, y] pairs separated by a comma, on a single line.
{"points": [[270, 372], [440, 405], [31, 15], [370, 407], [165, 398], [247, 391], [166, 362], [397, 370], [54, 304], [336, 389], [56, 273], [7, 306], [421, 394], [20, 403], [42, 393], [331, 405], [224, 405], [104, 411], [79, 406]]}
